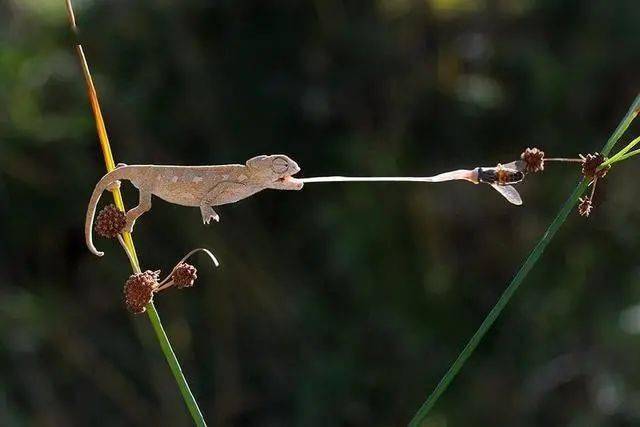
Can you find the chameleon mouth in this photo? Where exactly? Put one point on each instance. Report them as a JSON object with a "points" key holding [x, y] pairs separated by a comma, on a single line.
{"points": [[289, 183]]}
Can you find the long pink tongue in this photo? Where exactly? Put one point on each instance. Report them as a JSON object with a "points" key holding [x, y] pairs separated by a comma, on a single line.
{"points": [[468, 175]]}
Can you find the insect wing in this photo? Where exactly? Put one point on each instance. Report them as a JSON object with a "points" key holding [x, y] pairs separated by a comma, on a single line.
{"points": [[517, 165], [509, 193]]}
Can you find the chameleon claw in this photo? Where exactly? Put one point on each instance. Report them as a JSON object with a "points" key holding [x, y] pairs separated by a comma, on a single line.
{"points": [[215, 217], [208, 214]]}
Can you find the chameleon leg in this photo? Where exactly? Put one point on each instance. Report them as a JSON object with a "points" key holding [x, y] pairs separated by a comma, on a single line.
{"points": [[144, 204], [208, 213], [222, 193]]}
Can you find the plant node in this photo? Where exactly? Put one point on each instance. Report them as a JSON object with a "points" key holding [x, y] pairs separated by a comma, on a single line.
{"points": [[590, 165]]}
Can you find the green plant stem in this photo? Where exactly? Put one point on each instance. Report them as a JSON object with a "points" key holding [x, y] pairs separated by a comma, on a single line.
{"points": [[127, 241], [517, 280], [174, 365], [500, 305], [626, 156], [620, 155], [167, 350]]}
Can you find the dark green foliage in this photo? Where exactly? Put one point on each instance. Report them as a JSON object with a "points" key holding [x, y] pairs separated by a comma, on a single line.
{"points": [[341, 304]]}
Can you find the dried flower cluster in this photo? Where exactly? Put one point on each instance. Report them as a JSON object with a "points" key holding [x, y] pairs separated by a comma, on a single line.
{"points": [[139, 289], [110, 221], [184, 275], [533, 159], [590, 165], [585, 207]]}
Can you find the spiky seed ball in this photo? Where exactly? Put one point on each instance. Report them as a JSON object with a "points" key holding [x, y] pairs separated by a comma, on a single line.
{"points": [[110, 221], [585, 207], [138, 291], [184, 275], [533, 160], [591, 163]]}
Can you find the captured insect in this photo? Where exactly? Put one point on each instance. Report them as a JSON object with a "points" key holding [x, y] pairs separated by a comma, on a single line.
{"points": [[501, 178]]}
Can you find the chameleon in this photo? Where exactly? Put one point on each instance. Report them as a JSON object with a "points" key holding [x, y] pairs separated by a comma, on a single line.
{"points": [[198, 186]]}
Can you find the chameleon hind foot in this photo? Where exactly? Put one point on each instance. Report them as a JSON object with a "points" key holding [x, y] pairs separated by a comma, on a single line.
{"points": [[208, 214]]}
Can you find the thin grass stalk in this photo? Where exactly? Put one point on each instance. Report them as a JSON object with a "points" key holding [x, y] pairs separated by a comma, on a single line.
{"points": [[127, 240], [522, 273], [618, 156], [626, 156]]}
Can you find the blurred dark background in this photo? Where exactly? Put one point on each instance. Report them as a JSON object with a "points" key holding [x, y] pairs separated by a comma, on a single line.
{"points": [[343, 304]]}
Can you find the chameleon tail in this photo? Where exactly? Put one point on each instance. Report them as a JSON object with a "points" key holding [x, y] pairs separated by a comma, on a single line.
{"points": [[110, 179]]}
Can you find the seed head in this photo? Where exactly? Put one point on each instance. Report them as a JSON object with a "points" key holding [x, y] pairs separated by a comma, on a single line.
{"points": [[184, 275], [533, 160], [591, 163], [139, 289], [110, 221], [585, 207]]}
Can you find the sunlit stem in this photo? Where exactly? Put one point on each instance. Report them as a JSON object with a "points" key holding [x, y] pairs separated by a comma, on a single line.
{"points": [[132, 259], [626, 156], [125, 240], [165, 286], [620, 155]]}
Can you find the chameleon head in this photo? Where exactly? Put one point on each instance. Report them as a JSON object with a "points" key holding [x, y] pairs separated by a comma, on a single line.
{"points": [[275, 172]]}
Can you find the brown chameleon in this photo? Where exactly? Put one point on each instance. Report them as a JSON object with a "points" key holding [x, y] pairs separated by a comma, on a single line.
{"points": [[199, 186]]}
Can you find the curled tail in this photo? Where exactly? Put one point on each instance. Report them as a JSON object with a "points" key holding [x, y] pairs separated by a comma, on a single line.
{"points": [[108, 181]]}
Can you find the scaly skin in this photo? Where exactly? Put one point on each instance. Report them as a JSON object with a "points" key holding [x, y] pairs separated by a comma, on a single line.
{"points": [[200, 186]]}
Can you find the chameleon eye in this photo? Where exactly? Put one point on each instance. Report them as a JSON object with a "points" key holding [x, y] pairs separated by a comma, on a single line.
{"points": [[279, 165]]}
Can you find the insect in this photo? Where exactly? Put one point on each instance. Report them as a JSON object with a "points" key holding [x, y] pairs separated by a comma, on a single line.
{"points": [[501, 178]]}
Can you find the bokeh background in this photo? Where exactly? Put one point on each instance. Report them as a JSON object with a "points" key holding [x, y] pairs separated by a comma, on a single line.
{"points": [[342, 304]]}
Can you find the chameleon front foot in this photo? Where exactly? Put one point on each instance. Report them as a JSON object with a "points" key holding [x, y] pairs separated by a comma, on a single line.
{"points": [[208, 214]]}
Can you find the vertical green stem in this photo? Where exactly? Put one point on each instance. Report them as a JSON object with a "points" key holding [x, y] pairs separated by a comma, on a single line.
{"points": [[531, 260], [176, 370], [127, 241]]}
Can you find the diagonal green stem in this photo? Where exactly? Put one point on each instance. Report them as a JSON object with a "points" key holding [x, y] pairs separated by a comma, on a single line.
{"points": [[531, 260], [618, 158], [127, 241], [622, 154], [626, 156], [165, 344]]}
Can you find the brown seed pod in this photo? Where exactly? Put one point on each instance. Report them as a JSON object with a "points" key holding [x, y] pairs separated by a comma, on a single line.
{"points": [[533, 160], [585, 207], [110, 221], [591, 164], [184, 275], [139, 289]]}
